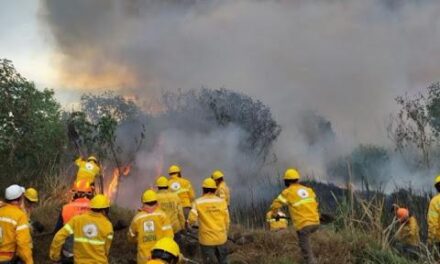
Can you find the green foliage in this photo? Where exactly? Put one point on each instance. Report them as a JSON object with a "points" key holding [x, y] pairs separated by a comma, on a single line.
{"points": [[31, 132]]}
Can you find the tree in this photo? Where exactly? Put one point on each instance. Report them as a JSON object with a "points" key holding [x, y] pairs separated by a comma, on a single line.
{"points": [[32, 135]]}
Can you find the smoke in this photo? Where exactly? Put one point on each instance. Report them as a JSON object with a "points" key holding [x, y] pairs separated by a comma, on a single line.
{"points": [[345, 60]]}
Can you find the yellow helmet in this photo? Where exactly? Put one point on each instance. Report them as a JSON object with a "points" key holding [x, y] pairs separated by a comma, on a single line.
{"points": [[209, 184], [437, 179], [149, 196], [291, 174], [174, 169], [217, 174], [100, 201], [162, 181], [93, 158], [167, 244], [31, 194]]}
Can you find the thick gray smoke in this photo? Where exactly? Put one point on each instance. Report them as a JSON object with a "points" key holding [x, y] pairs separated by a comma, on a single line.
{"points": [[344, 59]]}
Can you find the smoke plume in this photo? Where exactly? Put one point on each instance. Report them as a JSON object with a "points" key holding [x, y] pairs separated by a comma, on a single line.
{"points": [[345, 60]]}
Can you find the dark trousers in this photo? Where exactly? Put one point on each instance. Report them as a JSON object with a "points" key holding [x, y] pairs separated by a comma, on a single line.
{"points": [[214, 254], [304, 243]]}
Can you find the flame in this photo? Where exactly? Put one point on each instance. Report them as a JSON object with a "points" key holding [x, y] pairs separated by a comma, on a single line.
{"points": [[112, 188]]}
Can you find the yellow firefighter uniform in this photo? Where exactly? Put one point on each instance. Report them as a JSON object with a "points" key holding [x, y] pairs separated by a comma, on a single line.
{"points": [[87, 170], [433, 220], [223, 191], [15, 237], [408, 234], [212, 215], [170, 203], [276, 223], [156, 261], [303, 207], [146, 229], [93, 235], [183, 188]]}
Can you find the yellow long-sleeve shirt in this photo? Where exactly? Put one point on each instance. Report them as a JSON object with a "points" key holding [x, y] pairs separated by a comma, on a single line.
{"points": [[223, 192], [409, 233], [15, 237], [170, 203], [212, 215], [146, 229], [93, 235], [433, 219], [183, 188], [87, 170], [303, 207]]}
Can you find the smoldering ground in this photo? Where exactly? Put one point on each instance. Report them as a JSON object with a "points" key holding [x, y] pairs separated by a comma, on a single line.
{"points": [[345, 60]]}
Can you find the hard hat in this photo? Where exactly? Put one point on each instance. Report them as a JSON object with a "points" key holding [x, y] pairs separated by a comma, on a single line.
{"points": [[31, 194], [162, 181], [100, 201], [402, 213], [291, 174], [174, 169], [93, 158], [437, 179], [217, 174], [82, 186], [149, 196], [14, 192], [209, 184], [167, 244]]}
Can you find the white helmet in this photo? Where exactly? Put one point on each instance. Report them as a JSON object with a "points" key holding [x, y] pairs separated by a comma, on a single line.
{"points": [[13, 192]]}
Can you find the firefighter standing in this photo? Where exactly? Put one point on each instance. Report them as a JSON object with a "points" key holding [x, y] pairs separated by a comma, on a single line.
{"points": [[88, 169], [165, 251], [182, 187], [30, 200], [433, 216], [15, 236], [212, 215], [222, 187], [92, 232], [148, 226], [82, 193], [303, 209], [170, 203], [407, 236]]}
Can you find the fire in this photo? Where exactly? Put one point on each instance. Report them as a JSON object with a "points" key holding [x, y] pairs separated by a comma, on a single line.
{"points": [[112, 190]]}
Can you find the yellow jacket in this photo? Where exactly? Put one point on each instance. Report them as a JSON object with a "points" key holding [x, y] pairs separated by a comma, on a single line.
{"points": [[433, 219], [223, 192], [15, 237], [93, 235], [156, 261], [212, 215], [409, 233], [183, 188], [87, 170], [303, 207], [146, 229], [276, 224], [170, 203]]}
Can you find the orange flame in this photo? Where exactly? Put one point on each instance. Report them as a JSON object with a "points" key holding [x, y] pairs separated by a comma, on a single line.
{"points": [[114, 183]]}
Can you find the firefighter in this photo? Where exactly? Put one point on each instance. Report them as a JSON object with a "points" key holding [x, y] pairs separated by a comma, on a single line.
{"points": [[222, 188], [92, 232], [182, 187], [303, 209], [82, 193], [276, 221], [88, 169], [433, 216], [165, 251], [170, 203], [212, 215], [15, 236], [407, 236], [148, 226], [30, 200]]}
